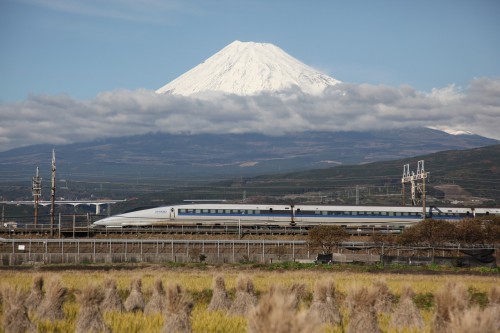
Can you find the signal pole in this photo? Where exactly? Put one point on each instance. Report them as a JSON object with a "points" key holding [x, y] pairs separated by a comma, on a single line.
{"points": [[53, 193], [36, 190]]}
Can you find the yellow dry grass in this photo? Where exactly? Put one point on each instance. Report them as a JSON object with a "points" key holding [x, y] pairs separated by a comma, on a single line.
{"points": [[197, 281]]}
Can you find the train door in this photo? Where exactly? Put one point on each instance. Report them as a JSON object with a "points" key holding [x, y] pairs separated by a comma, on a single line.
{"points": [[270, 215], [172, 213]]}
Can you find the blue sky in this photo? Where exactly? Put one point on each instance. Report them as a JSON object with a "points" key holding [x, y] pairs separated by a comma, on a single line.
{"points": [[87, 69], [81, 48]]}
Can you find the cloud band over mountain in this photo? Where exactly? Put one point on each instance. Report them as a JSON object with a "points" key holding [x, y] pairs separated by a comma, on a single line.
{"points": [[62, 119]]}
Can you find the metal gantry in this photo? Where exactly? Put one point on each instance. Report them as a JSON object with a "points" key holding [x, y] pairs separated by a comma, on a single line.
{"points": [[36, 189], [417, 182]]}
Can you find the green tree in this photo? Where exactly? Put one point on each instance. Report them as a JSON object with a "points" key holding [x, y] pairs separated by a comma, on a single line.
{"points": [[326, 237]]}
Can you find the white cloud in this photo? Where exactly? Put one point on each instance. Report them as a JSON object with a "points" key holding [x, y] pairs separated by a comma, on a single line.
{"points": [[63, 119]]}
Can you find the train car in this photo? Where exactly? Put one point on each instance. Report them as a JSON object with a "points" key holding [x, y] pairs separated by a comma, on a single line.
{"points": [[285, 215]]}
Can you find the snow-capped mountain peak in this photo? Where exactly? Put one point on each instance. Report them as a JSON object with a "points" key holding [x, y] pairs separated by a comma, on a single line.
{"points": [[248, 68], [451, 131]]}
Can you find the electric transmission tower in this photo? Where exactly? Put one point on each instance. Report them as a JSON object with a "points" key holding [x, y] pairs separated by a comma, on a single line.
{"points": [[36, 190], [417, 183]]}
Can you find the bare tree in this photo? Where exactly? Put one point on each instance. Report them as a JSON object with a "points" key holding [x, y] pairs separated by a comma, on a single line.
{"points": [[326, 237]]}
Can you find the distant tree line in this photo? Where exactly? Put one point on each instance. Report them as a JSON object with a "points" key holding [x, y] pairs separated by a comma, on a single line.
{"points": [[484, 230], [430, 232]]}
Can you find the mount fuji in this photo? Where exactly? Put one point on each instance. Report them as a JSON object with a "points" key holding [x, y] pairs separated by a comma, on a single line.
{"points": [[248, 68]]}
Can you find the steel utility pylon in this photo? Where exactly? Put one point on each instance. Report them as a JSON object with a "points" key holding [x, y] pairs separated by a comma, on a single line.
{"points": [[413, 179], [36, 190]]}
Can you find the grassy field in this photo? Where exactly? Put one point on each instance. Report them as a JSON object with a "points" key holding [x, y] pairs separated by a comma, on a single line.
{"points": [[198, 284]]}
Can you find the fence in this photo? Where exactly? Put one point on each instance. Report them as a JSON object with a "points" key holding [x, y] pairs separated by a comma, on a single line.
{"points": [[80, 250]]}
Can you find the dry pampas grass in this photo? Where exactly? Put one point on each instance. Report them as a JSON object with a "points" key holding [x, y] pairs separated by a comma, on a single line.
{"points": [[178, 312], [362, 314], [323, 305], [15, 313], [112, 300], [36, 295], [90, 319], [406, 313], [494, 304], [384, 296], [276, 312], [135, 300], [158, 302], [452, 299], [474, 320], [220, 300], [245, 297], [298, 291], [51, 307]]}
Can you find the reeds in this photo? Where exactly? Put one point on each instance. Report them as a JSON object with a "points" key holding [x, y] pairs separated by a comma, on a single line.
{"points": [[89, 318], [276, 312], [15, 314], [245, 297], [406, 313], [51, 307], [135, 299], [178, 312], [220, 300], [158, 302]]}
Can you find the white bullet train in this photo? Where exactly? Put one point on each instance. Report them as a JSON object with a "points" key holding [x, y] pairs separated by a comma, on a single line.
{"points": [[286, 215]]}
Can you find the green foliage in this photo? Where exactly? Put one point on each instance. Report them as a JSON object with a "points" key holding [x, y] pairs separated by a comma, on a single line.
{"points": [[424, 300], [477, 297]]}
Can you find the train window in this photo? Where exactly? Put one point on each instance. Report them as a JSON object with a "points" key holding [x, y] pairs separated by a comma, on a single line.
{"points": [[220, 211], [354, 213], [361, 213], [190, 211], [205, 211], [181, 211], [212, 211], [257, 212], [235, 211], [198, 211], [227, 211], [324, 212], [383, 213], [250, 211], [347, 213]]}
